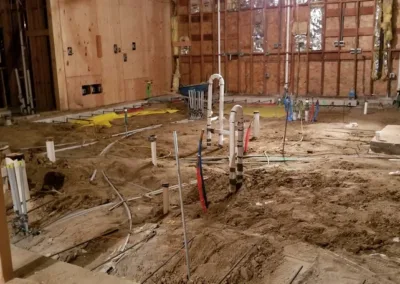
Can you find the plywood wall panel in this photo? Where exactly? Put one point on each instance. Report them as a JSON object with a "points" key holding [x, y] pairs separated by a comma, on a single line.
{"points": [[258, 77], [233, 83], [380, 88], [330, 77], [314, 86], [244, 75], [346, 78], [135, 89], [272, 37], [79, 25], [207, 71], [74, 87], [272, 86], [245, 32], [363, 77], [184, 67], [82, 22]]}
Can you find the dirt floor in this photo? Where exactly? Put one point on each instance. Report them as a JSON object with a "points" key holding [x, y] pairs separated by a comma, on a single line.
{"points": [[331, 214]]}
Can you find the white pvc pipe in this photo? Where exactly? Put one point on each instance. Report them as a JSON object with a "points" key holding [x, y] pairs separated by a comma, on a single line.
{"points": [[51, 154], [154, 152], [25, 180], [256, 130], [306, 115], [13, 185], [287, 44], [221, 108], [366, 108], [219, 35], [236, 173], [21, 194]]}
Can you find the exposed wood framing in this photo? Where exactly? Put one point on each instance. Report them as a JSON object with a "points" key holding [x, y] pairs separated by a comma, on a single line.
{"points": [[329, 71]]}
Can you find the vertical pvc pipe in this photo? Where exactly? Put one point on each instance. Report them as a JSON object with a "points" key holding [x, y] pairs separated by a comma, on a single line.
{"points": [[25, 180], [126, 119], [24, 208], [287, 45], [221, 108], [221, 111], [165, 187], [256, 125], [240, 150], [181, 202], [153, 146], [209, 110], [13, 186], [219, 35], [236, 179], [366, 108], [20, 184], [51, 154]]}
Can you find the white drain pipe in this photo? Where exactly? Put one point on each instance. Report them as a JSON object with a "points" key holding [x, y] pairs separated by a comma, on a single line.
{"points": [[256, 125], [153, 146], [287, 44], [236, 173], [51, 154], [221, 108], [366, 108], [219, 35]]}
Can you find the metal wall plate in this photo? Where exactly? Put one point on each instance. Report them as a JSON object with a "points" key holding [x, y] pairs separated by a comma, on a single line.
{"points": [[70, 52], [125, 57]]}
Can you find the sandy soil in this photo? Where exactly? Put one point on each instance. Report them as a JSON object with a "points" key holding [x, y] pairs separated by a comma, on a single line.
{"points": [[331, 216]]}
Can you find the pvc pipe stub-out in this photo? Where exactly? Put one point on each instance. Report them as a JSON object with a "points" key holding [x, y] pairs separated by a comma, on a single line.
{"points": [[51, 154], [8, 121], [16, 156], [366, 108], [152, 138]]}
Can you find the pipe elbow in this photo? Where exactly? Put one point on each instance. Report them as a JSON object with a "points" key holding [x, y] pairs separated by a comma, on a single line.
{"points": [[213, 77]]}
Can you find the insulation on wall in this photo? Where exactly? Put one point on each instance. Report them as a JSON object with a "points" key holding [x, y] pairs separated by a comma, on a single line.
{"points": [[316, 21], [300, 42], [194, 6], [258, 31], [272, 3], [376, 70], [245, 4], [232, 5], [387, 8], [258, 3]]}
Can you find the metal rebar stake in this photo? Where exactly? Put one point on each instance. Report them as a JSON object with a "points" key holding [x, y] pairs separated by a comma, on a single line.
{"points": [[181, 201]]}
